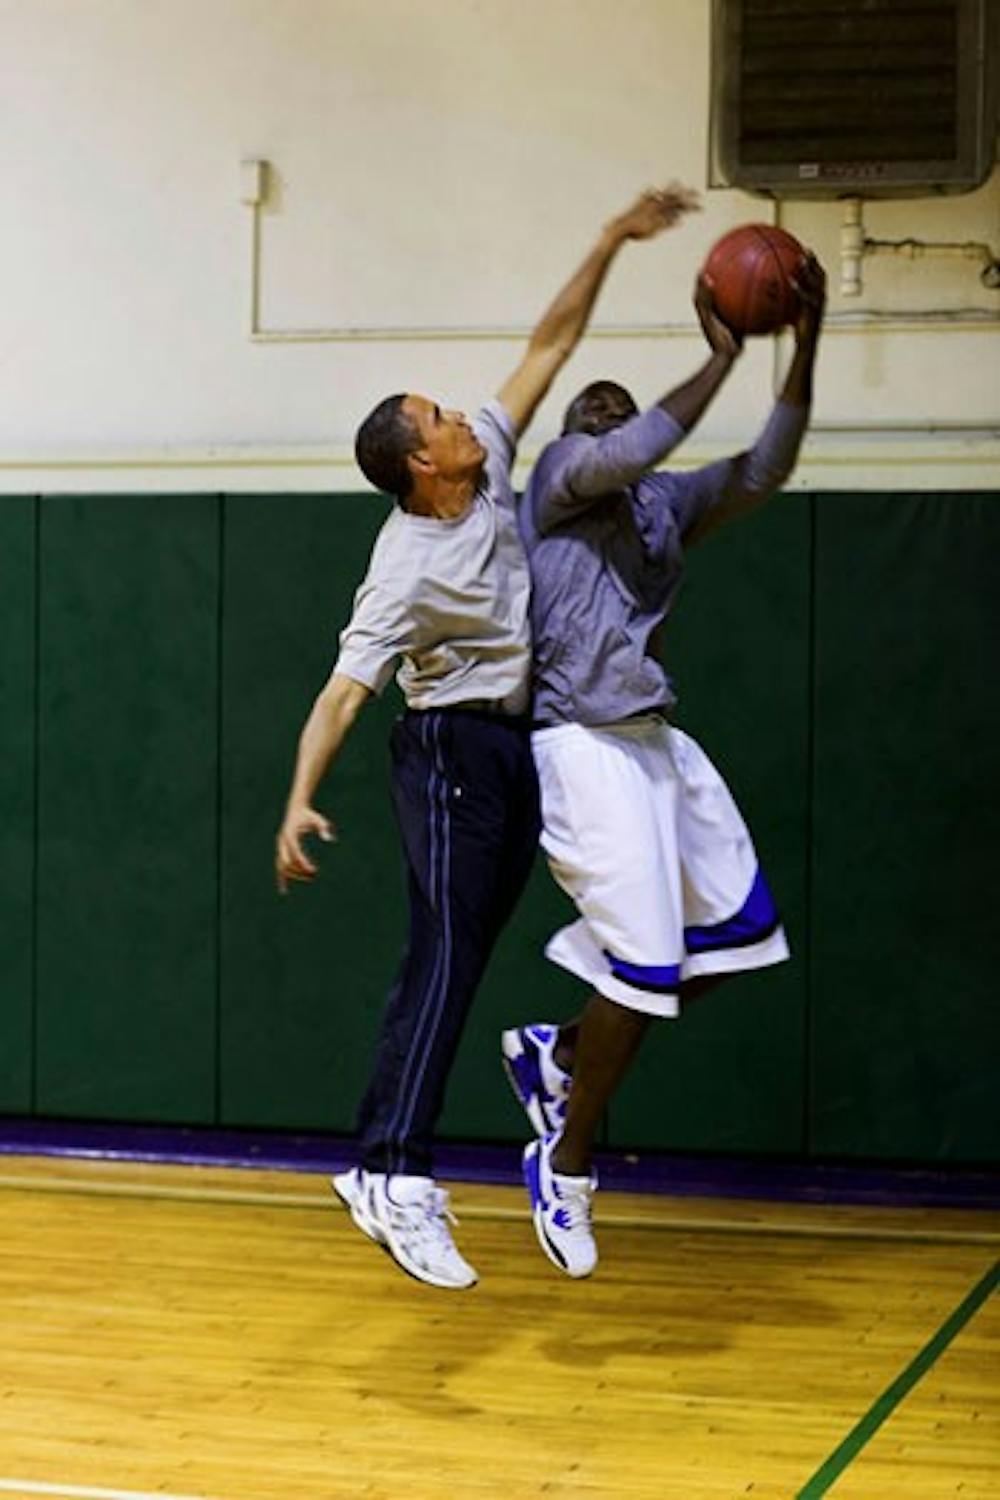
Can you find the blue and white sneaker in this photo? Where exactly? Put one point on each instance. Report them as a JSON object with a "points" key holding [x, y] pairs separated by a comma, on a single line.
{"points": [[541, 1086], [560, 1209], [408, 1217]]}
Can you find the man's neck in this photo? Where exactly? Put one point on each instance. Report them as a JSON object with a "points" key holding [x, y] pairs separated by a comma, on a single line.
{"points": [[445, 500]]}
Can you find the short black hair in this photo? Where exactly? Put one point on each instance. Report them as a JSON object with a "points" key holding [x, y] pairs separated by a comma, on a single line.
{"points": [[382, 444], [598, 408]]}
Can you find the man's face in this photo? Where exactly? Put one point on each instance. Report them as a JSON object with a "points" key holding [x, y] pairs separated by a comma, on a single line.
{"points": [[448, 446], [599, 408]]}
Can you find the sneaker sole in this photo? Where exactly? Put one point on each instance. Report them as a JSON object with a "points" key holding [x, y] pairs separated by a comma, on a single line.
{"points": [[511, 1050], [418, 1273]]}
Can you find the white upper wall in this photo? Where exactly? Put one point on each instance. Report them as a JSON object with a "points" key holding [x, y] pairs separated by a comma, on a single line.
{"points": [[438, 166]]}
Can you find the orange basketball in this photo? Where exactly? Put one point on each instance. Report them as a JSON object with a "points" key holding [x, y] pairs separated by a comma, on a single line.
{"points": [[750, 271]]}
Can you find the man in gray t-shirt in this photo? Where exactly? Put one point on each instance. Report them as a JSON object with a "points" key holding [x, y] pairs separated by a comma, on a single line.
{"points": [[446, 597], [638, 826]]}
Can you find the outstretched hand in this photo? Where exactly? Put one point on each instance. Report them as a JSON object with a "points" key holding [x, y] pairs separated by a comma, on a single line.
{"points": [[656, 209], [291, 862], [810, 284], [721, 338]]}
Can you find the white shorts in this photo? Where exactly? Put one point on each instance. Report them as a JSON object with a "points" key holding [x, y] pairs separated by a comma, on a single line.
{"points": [[643, 834]]}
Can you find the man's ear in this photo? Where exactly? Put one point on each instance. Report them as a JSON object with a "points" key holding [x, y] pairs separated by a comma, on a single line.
{"points": [[418, 462]]}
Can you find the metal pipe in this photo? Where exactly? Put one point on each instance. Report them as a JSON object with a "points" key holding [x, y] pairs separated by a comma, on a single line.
{"points": [[855, 245], [852, 248], [915, 249]]}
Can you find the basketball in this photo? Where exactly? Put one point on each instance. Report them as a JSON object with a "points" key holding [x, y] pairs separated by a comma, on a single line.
{"points": [[750, 271]]}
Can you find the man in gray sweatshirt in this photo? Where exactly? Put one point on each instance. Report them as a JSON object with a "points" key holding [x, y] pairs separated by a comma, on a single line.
{"points": [[638, 826]]}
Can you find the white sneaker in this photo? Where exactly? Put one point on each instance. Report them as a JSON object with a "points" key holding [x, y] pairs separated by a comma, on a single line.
{"points": [[560, 1208], [540, 1085], [409, 1217]]}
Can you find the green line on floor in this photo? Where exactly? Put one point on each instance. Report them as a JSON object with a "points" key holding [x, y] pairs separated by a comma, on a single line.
{"points": [[890, 1398]]}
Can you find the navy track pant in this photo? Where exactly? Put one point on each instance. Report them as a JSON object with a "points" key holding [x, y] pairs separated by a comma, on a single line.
{"points": [[466, 801]]}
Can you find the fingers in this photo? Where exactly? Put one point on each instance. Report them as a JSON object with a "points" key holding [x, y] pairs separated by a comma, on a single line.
{"points": [[686, 199], [704, 300], [297, 861], [810, 287], [291, 862], [677, 192], [674, 200], [810, 279], [658, 208], [721, 338]]}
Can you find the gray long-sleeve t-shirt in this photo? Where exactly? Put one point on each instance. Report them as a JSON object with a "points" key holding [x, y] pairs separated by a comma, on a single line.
{"points": [[605, 542]]}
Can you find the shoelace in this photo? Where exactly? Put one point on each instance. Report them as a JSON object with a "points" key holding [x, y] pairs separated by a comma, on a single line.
{"points": [[429, 1212], [436, 1206], [575, 1202]]}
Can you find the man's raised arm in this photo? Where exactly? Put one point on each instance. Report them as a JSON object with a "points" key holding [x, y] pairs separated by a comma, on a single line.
{"points": [[580, 471], [559, 330], [746, 481]]}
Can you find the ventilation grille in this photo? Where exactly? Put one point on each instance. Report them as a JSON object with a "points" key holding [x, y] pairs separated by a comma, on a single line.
{"points": [[843, 82], [838, 93]]}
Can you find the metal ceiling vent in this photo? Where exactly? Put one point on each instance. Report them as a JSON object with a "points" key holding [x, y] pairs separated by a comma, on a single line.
{"points": [[833, 98]]}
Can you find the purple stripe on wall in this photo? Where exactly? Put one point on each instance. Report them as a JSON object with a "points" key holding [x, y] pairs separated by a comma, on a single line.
{"points": [[652, 1172]]}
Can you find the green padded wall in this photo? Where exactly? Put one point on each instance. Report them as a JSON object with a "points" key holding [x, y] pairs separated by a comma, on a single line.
{"points": [[728, 1076], [835, 655], [906, 941], [128, 772], [18, 521], [303, 978]]}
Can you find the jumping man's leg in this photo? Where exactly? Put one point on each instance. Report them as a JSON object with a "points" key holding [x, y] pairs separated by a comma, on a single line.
{"points": [[455, 784], [609, 1037], [456, 779], [564, 1052]]}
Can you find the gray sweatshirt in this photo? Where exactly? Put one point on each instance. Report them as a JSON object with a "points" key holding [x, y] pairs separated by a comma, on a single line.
{"points": [[448, 599], [605, 541]]}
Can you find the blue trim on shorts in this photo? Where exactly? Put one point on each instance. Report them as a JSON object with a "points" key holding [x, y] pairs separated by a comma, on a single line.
{"points": [[658, 979], [756, 919]]}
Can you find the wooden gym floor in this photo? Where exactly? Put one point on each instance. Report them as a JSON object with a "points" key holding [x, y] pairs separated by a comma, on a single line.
{"points": [[229, 1335]]}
